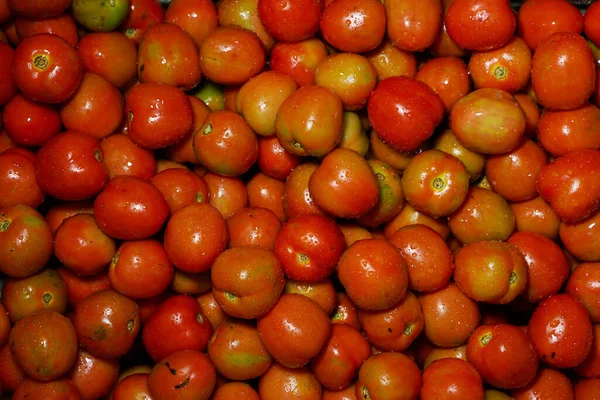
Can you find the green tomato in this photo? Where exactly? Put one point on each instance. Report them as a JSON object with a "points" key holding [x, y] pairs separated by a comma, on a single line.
{"points": [[100, 15]]}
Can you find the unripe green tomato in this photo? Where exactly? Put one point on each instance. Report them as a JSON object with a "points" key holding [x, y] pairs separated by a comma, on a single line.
{"points": [[100, 15]]}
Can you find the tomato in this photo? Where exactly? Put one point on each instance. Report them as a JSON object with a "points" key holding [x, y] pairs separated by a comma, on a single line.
{"points": [[62, 25], [129, 208], [561, 132], [79, 287], [177, 324], [110, 55], [309, 121], [395, 328], [231, 56], [590, 24], [548, 383], [158, 115], [441, 311], [100, 16], [409, 216], [413, 25], [563, 74], [582, 285], [353, 26], [581, 239], [443, 46], [11, 374], [17, 175], [404, 112], [69, 166], [266, 192], [438, 353], [184, 375], [247, 281], [244, 14], [474, 162], [561, 330], [60, 211], [107, 323], [390, 61], [235, 390], [44, 344], [374, 274], [480, 25], [142, 15], [7, 86], [292, 21], [259, 100], [590, 367], [46, 68], [38, 8], [59, 389], [451, 378], [323, 292], [227, 194], [354, 136], [253, 226], [586, 388], [474, 121], [26, 296], [515, 361], [93, 376], [5, 326], [299, 60], [195, 235], [198, 18], [25, 241], [131, 386], [237, 352], [390, 376], [30, 123], [448, 77], [281, 382], [538, 19], [351, 76], [181, 187], [536, 215], [123, 157], [289, 334], [569, 186], [274, 160]]}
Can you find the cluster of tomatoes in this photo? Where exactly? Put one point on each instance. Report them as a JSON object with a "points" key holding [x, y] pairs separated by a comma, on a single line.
{"points": [[300, 199]]}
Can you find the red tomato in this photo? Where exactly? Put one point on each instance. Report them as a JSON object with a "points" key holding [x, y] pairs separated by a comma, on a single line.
{"points": [[451, 378], [30, 123], [62, 25], [7, 85], [142, 15], [538, 19], [413, 25], [17, 175], [291, 21]]}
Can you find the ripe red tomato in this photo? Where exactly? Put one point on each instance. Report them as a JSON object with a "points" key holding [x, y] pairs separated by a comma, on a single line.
{"points": [[538, 19], [30, 123], [7, 85], [62, 25], [291, 21], [17, 174], [451, 378], [388, 376], [413, 25], [142, 15]]}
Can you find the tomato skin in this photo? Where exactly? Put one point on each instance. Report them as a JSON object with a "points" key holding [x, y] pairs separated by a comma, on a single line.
{"points": [[7, 85], [548, 383], [46, 68], [79, 287], [299, 60], [474, 162], [448, 76], [244, 14], [422, 110], [253, 226], [536, 215], [309, 247], [17, 174], [30, 123], [93, 376], [5, 327], [364, 34], [119, 215], [413, 25], [186, 374], [177, 324], [59, 389], [107, 335], [582, 285], [69, 166], [181, 187], [402, 378], [44, 345], [38, 8], [142, 15], [538, 19], [123, 157], [563, 74], [235, 390], [280, 382], [590, 24], [581, 239], [62, 25], [555, 184], [159, 115], [198, 17], [515, 361], [451, 378], [292, 21], [132, 385], [480, 25], [274, 160]]}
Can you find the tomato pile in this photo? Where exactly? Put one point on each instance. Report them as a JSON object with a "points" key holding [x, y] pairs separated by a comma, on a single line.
{"points": [[300, 199]]}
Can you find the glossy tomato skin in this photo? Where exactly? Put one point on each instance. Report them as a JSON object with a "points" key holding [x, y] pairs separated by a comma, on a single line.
{"points": [[235, 390], [582, 284], [538, 19], [581, 239], [198, 18], [158, 115], [299, 59], [590, 24], [186, 374], [30, 123], [177, 324], [448, 76], [274, 160], [480, 25], [401, 378], [69, 166], [390, 61], [118, 213], [404, 112], [167, 54], [309, 247], [93, 376], [142, 15], [536, 215], [451, 378], [556, 180], [62, 25], [5, 326], [7, 85], [548, 383], [561, 330], [38, 8], [279, 381], [413, 25], [123, 157], [59, 389], [46, 68], [181, 187], [79, 287], [44, 345], [109, 54], [17, 175], [245, 15], [253, 226], [504, 355], [291, 22], [107, 323], [25, 241], [322, 292], [568, 56], [25, 296]]}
